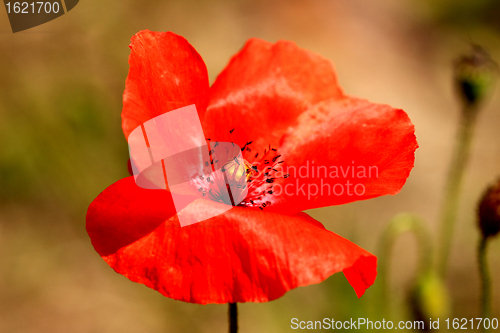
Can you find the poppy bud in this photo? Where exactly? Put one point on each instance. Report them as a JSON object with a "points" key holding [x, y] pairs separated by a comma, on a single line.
{"points": [[429, 299], [475, 74], [489, 211]]}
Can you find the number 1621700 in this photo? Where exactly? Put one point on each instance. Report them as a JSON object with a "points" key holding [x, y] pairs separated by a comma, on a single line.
{"points": [[474, 323], [32, 8]]}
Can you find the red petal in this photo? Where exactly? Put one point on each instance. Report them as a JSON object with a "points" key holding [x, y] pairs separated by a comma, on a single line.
{"points": [[243, 255], [337, 135], [124, 212], [263, 90], [166, 73]]}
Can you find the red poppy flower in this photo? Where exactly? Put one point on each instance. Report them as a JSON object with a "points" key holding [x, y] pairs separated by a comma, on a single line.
{"points": [[287, 102]]}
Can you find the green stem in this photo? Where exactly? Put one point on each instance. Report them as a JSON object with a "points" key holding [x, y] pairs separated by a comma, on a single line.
{"points": [[233, 317], [398, 225], [485, 279], [450, 205]]}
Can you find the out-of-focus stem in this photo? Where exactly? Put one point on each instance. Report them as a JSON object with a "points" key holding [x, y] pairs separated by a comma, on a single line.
{"points": [[233, 317], [485, 280], [398, 225], [449, 208]]}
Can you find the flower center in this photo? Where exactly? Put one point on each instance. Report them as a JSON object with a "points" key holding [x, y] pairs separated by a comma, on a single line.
{"points": [[249, 184]]}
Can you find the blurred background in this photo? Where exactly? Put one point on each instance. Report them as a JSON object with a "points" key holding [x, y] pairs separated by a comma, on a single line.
{"points": [[61, 144]]}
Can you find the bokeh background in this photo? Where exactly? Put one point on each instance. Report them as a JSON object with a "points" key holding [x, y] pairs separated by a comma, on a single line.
{"points": [[61, 144]]}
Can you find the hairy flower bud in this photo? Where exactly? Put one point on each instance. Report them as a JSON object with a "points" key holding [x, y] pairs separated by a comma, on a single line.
{"points": [[489, 211], [475, 74], [429, 299]]}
